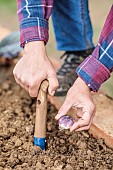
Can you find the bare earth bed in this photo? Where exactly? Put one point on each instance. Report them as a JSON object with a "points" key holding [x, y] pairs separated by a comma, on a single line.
{"points": [[67, 151]]}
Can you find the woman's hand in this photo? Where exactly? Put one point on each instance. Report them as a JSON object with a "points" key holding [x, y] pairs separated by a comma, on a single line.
{"points": [[33, 68], [79, 96]]}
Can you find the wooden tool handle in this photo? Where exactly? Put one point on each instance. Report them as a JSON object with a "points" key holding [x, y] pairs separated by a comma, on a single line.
{"points": [[41, 111]]}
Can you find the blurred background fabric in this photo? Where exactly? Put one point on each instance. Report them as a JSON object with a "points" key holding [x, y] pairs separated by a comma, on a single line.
{"points": [[10, 45]]}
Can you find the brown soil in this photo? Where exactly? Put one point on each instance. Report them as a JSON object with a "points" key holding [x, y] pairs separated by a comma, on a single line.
{"points": [[67, 151]]}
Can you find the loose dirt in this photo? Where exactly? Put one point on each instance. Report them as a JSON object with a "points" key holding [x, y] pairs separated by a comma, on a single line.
{"points": [[65, 150]]}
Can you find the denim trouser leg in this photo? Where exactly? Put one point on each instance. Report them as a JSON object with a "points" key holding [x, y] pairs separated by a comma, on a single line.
{"points": [[72, 25]]}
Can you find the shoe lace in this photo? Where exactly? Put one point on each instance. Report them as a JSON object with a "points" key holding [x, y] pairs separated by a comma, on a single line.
{"points": [[72, 60], [70, 63]]}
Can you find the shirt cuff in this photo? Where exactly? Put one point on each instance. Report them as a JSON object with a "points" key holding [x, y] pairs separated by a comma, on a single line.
{"points": [[93, 72], [33, 29]]}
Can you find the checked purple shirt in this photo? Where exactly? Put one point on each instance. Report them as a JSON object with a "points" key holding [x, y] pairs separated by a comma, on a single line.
{"points": [[96, 69], [33, 18]]}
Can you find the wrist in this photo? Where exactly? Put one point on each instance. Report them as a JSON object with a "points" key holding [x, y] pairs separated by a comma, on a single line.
{"points": [[83, 84], [35, 48], [88, 85], [34, 44]]}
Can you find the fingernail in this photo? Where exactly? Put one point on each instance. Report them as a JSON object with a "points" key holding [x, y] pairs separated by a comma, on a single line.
{"points": [[57, 116], [52, 93], [71, 130]]}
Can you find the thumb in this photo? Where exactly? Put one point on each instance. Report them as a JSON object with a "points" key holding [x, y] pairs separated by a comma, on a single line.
{"points": [[53, 84], [64, 109]]}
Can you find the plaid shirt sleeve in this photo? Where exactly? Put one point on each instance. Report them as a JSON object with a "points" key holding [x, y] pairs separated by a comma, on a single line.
{"points": [[96, 69], [33, 18]]}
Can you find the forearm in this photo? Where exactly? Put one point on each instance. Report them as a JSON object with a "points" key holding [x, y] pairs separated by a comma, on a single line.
{"points": [[33, 19], [96, 68]]}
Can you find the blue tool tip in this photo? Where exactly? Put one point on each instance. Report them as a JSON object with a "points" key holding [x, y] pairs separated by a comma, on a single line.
{"points": [[41, 142]]}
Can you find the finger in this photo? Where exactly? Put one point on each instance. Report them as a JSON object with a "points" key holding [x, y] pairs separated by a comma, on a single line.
{"points": [[33, 89], [84, 122], [17, 78], [53, 84], [85, 127], [14, 72], [80, 123], [21, 84], [64, 109], [75, 118], [24, 82], [79, 112], [24, 87], [17, 81]]}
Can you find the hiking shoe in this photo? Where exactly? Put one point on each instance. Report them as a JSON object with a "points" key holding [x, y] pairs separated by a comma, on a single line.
{"points": [[66, 74]]}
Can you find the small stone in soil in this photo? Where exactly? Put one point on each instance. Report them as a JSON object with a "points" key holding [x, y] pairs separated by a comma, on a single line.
{"points": [[29, 128], [18, 142]]}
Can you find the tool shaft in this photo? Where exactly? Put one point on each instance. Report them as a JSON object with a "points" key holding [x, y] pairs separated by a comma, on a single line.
{"points": [[41, 114]]}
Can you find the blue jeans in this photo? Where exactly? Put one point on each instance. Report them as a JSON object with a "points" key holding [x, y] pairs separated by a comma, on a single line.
{"points": [[72, 25]]}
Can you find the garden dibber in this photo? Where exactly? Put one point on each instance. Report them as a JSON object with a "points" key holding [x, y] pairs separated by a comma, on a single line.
{"points": [[41, 113]]}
